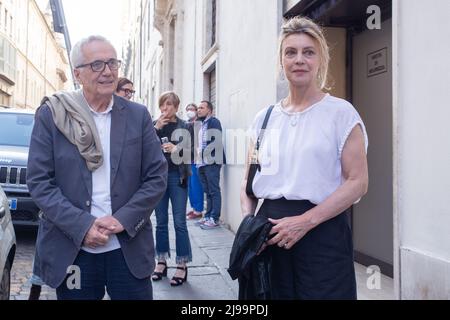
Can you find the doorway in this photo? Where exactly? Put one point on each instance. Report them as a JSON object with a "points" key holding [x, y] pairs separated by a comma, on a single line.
{"points": [[362, 74], [372, 96]]}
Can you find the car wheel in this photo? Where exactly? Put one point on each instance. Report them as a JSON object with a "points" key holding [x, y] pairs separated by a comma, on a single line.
{"points": [[5, 283]]}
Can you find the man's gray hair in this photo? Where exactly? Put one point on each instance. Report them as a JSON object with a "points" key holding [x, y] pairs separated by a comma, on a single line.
{"points": [[77, 56]]}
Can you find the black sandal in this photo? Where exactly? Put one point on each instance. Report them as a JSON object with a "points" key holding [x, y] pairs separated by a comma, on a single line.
{"points": [[179, 281], [156, 276]]}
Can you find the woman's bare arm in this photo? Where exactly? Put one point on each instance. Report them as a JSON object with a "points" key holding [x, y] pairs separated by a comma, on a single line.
{"points": [[355, 172], [248, 205]]}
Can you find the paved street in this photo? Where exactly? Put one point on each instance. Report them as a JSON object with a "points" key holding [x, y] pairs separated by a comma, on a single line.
{"points": [[22, 267], [207, 279]]}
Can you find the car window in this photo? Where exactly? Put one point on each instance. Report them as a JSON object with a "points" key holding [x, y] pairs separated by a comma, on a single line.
{"points": [[15, 129]]}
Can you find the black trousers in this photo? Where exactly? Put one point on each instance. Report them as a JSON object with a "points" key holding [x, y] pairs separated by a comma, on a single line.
{"points": [[97, 271], [318, 266]]}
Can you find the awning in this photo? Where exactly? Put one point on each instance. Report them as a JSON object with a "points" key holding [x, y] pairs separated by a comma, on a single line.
{"points": [[339, 13]]}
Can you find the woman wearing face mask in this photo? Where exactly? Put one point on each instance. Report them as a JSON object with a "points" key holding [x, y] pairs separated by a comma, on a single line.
{"points": [[191, 112], [195, 187]]}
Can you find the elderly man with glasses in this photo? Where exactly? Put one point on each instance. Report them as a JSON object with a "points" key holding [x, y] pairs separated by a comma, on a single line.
{"points": [[97, 172]]}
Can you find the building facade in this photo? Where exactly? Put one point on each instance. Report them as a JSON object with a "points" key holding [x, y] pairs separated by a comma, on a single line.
{"points": [[33, 63], [142, 51], [392, 69]]}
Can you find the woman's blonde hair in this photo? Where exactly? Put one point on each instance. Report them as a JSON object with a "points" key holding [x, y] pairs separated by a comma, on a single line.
{"points": [[169, 95], [302, 25]]}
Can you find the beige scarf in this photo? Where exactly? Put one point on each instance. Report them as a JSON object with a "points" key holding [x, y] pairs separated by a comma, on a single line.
{"points": [[73, 117]]}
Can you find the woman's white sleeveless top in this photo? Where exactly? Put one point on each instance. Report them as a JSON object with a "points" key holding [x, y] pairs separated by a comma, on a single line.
{"points": [[300, 154]]}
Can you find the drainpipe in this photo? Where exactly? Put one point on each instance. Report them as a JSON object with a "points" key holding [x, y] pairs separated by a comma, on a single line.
{"points": [[195, 51], [60, 26], [140, 50], [26, 55], [46, 80]]}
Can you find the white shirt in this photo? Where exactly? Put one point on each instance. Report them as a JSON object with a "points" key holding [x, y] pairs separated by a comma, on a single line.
{"points": [[202, 142], [300, 153], [101, 178]]}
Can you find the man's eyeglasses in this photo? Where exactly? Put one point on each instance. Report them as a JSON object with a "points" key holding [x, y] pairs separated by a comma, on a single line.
{"points": [[99, 65], [128, 92]]}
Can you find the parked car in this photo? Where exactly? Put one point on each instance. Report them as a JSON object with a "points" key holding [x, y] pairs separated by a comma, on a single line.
{"points": [[16, 126], [7, 247]]}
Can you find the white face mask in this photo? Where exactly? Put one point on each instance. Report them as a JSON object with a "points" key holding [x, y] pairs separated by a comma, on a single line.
{"points": [[191, 114]]}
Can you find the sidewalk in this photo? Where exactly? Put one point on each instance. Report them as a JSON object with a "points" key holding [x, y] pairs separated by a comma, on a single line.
{"points": [[208, 278]]}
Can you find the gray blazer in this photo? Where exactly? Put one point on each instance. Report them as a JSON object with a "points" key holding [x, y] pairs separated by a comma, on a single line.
{"points": [[61, 185]]}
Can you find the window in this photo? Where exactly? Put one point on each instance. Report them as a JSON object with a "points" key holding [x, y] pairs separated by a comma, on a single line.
{"points": [[8, 59], [213, 22], [149, 20], [171, 55], [210, 87], [15, 129], [161, 66]]}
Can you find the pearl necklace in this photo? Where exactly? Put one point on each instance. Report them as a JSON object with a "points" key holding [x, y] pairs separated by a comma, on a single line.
{"points": [[294, 120], [293, 117]]}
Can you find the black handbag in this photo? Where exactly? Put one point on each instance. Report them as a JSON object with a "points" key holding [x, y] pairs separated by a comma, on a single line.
{"points": [[254, 165]]}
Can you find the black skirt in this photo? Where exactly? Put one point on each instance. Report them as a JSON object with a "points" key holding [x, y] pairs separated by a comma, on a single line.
{"points": [[318, 266]]}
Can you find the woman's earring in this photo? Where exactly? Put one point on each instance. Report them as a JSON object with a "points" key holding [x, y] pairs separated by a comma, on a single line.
{"points": [[319, 80]]}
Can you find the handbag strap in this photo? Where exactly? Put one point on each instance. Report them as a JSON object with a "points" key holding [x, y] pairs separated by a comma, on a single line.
{"points": [[263, 128]]}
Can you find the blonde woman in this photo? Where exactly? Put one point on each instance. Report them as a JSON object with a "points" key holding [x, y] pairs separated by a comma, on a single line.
{"points": [[322, 170]]}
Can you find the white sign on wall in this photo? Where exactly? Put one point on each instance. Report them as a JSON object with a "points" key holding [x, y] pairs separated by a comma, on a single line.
{"points": [[377, 62]]}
